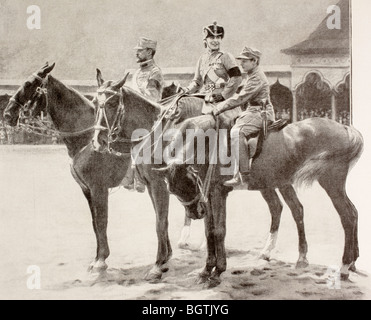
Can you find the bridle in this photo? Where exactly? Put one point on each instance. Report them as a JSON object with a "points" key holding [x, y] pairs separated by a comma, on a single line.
{"points": [[115, 128], [199, 184], [26, 114], [113, 136], [24, 111]]}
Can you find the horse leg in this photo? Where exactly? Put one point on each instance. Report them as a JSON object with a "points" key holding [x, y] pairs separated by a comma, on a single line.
{"points": [[334, 184], [218, 200], [291, 198], [275, 209], [210, 245], [160, 200], [98, 203], [185, 233]]}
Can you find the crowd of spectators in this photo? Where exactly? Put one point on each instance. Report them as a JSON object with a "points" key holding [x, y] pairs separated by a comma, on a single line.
{"points": [[312, 113], [284, 114], [342, 117]]}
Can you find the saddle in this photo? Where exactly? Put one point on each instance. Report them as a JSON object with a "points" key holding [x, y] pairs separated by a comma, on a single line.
{"points": [[181, 108], [189, 106], [256, 141]]}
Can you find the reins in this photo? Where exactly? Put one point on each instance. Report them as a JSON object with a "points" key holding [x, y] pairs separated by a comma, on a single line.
{"points": [[112, 130], [41, 126], [204, 188]]}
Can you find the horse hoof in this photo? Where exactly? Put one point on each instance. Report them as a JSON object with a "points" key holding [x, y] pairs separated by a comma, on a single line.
{"points": [[301, 264], [154, 275], [202, 278], [344, 276], [164, 269], [150, 277], [353, 267], [97, 267], [183, 245], [212, 283], [265, 256]]}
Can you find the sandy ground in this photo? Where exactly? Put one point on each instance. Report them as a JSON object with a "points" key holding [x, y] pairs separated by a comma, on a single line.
{"points": [[45, 222]]}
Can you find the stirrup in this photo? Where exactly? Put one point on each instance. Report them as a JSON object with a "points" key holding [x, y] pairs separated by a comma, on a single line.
{"points": [[244, 177], [139, 186], [127, 183], [235, 181]]}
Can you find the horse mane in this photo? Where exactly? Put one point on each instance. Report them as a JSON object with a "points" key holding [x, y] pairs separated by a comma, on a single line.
{"points": [[144, 101], [77, 97]]}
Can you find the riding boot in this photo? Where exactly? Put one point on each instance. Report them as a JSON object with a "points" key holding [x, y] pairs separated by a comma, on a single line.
{"points": [[139, 185], [235, 181], [241, 177], [128, 181], [244, 163]]}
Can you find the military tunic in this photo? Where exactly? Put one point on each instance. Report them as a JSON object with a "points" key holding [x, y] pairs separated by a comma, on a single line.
{"points": [[255, 89], [212, 74], [148, 80]]}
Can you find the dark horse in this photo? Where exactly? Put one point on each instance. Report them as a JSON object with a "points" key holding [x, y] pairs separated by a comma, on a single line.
{"points": [[314, 149], [74, 116]]}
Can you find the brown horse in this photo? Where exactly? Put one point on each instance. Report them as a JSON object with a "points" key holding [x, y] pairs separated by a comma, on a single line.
{"points": [[314, 149], [74, 116]]}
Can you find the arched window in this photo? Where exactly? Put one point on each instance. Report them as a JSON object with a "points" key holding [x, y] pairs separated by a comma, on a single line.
{"points": [[282, 100], [343, 102], [313, 98]]}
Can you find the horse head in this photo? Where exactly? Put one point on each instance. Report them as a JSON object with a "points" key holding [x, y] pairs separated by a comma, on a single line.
{"points": [[26, 101], [109, 106], [121, 111], [184, 182]]}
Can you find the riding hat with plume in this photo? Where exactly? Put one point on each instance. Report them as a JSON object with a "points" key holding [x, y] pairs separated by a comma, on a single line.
{"points": [[213, 30]]}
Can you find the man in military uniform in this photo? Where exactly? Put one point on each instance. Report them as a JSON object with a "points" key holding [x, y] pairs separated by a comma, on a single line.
{"points": [[149, 82], [148, 79], [255, 91], [217, 74]]}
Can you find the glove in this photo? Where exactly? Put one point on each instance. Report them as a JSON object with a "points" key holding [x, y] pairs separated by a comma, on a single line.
{"points": [[217, 97]]}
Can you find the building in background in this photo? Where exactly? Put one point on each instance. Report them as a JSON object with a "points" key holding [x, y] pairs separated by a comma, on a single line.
{"points": [[316, 84], [321, 70]]}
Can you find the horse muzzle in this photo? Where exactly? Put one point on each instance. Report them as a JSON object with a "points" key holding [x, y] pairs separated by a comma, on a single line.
{"points": [[9, 119], [196, 211]]}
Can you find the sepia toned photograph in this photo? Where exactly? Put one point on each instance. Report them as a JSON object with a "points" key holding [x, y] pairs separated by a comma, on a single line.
{"points": [[161, 150]]}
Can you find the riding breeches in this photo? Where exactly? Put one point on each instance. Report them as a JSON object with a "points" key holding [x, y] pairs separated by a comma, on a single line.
{"points": [[251, 121]]}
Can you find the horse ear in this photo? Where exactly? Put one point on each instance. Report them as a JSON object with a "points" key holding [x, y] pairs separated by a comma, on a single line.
{"points": [[46, 69], [50, 68], [100, 79], [121, 82]]}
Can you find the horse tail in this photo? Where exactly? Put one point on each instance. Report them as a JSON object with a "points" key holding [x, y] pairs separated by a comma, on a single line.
{"points": [[347, 156], [356, 144]]}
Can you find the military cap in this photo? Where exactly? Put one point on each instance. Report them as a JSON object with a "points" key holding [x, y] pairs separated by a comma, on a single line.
{"points": [[248, 53], [145, 43], [213, 30]]}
